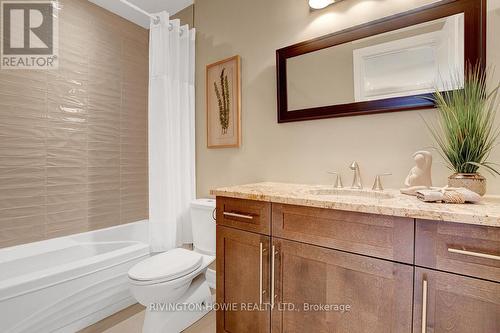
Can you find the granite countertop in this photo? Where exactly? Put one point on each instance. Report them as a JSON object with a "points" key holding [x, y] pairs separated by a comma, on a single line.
{"points": [[392, 202]]}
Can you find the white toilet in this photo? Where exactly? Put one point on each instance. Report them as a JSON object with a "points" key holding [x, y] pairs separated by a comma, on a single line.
{"points": [[173, 285]]}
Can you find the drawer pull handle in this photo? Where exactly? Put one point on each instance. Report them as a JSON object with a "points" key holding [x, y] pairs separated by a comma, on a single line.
{"points": [[424, 306], [260, 275], [273, 254], [474, 254], [243, 216]]}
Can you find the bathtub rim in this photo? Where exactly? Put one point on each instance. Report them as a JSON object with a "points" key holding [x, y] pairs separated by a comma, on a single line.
{"points": [[28, 283], [27, 249]]}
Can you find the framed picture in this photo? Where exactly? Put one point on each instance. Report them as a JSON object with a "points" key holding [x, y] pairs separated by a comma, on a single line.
{"points": [[223, 99]]}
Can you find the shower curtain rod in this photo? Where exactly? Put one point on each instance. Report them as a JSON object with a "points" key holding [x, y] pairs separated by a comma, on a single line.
{"points": [[156, 18]]}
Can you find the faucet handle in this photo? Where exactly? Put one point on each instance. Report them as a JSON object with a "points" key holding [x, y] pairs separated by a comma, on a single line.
{"points": [[338, 179], [377, 184]]}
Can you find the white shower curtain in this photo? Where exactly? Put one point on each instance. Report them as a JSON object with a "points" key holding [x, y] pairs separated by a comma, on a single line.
{"points": [[171, 132]]}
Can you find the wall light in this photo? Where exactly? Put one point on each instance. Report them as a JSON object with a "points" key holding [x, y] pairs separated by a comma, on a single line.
{"points": [[320, 4]]}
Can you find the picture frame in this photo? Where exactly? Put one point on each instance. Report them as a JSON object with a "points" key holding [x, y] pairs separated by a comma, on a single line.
{"points": [[223, 103]]}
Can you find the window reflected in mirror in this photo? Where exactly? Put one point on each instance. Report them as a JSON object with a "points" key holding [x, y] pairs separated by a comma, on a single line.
{"points": [[410, 61]]}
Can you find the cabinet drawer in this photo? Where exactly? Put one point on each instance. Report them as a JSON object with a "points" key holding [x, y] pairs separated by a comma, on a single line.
{"points": [[460, 248], [386, 237], [249, 215]]}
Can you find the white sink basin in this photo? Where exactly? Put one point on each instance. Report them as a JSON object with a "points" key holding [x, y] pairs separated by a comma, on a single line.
{"points": [[365, 193]]}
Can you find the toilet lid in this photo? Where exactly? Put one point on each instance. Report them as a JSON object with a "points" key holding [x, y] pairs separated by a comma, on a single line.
{"points": [[166, 266]]}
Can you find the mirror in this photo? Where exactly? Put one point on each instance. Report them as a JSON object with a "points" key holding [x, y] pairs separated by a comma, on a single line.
{"points": [[402, 62], [388, 65]]}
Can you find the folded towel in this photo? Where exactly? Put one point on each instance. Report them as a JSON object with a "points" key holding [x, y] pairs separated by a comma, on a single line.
{"points": [[469, 196], [449, 195], [453, 197], [429, 195]]}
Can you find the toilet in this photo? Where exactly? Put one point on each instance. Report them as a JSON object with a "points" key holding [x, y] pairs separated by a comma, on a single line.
{"points": [[173, 285]]}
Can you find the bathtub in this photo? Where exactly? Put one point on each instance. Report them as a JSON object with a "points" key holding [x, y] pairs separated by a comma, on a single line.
{"points": [[68, 283]]}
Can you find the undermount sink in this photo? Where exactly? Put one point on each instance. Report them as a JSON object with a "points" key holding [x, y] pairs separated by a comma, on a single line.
{"points": [[365, 193]]}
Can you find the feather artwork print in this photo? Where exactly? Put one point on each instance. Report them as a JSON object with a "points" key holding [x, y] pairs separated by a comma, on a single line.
{"points": [[223, 99]]}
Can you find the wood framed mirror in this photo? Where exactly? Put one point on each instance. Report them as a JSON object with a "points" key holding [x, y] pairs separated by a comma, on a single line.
{"points": [[391, 64]]}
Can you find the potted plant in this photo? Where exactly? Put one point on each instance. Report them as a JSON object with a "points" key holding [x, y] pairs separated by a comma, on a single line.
{"points": [[465, 131]]}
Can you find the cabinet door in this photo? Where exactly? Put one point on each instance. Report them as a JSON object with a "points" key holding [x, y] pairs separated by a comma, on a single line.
{"points": [[377, 292], [446, 302], [242, 281]]}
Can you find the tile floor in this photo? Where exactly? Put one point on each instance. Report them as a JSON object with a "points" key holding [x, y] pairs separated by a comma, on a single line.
{"points": [[130, 320], [134, 325]]}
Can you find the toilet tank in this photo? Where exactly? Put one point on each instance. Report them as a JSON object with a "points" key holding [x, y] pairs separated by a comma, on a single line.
{"points": [[203, 225]]}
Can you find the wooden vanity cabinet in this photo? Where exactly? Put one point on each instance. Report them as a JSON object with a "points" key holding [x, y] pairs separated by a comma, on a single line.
{"points": [[471, 250], [395, 274], [242, 278], [446, 303], [452, 291], [381, 236], [365, 294]]}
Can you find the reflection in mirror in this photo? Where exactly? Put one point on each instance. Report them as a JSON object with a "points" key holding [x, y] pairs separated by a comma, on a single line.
{"points": [[405, 62]]}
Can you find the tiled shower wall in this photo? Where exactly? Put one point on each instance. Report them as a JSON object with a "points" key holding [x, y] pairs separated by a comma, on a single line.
{"points": [[73, 141]]}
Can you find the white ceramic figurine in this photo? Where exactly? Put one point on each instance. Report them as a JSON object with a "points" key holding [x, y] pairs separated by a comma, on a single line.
{"points": [[420, 175]]}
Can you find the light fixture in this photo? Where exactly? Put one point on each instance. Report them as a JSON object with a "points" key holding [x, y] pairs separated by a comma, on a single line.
{"points": [[320, 4]]}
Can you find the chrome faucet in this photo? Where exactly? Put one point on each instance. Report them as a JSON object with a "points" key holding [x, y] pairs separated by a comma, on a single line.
{"points": [[356, 182], [377, 184], [338, 179]]}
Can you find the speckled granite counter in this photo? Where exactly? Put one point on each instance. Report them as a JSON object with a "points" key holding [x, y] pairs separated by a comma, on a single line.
{"points": [[391, 202]]}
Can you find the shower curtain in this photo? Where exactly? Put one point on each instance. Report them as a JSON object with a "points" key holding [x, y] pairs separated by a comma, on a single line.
{"points": [[171, 132]]}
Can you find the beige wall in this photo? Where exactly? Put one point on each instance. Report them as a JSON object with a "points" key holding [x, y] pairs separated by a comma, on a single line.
{"points": [[321, 78], [186, 16], [302, 152], [73, 141]]}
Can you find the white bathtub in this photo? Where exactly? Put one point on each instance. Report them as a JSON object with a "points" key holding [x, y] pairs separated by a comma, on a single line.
{"points": [[65, 284]]}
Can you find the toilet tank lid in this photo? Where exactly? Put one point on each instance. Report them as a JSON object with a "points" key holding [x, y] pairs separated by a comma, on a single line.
{"points": [[204, 203]]}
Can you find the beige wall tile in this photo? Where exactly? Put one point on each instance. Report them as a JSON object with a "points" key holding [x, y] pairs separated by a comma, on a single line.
{"points": [[73, 141]]}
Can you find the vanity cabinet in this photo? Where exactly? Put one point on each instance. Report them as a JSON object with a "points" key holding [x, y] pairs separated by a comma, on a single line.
{"points": [[242, 278], [386, 237], [471, 250], [446, 302], [323, 270], [464, 295], [366, 294]]}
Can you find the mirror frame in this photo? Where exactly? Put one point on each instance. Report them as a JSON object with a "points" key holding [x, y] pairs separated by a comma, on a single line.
{"points": [[474, 51]]}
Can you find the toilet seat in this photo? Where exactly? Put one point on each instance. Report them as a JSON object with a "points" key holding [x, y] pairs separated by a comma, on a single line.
{"points": [[164, 267]]}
